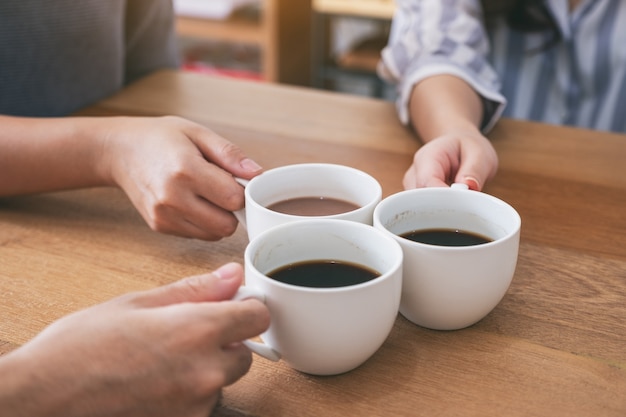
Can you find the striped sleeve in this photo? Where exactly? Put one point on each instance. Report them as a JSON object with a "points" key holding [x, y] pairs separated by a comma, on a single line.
{"points": [[432, 37]]}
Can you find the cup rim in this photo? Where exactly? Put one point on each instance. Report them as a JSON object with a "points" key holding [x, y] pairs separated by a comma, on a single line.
{"points": [[396, 265], [517, 220], [377, 193]]}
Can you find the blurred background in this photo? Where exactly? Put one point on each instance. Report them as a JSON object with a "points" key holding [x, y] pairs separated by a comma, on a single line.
{"points": [[327, 44]]}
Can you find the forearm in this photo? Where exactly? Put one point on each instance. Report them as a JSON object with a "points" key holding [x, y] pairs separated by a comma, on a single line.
{"points": [[38, 155], [22, 392], [444, 104]]}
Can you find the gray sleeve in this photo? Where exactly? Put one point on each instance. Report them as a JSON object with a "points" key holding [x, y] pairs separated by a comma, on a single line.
{"points": [[150, 37]]}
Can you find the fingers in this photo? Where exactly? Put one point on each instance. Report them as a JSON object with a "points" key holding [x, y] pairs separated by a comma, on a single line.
{"points": [[472, 182], [209, 299], [224, 326], [217, 186], [221, 327], [237, 320], [432, 165], [195, 202], [191, 215], [240, 320], [221, 284], [223, 153], [237, 361], [201, 203], [468, 159], [479, 163], [193, 321], [424, 175]]}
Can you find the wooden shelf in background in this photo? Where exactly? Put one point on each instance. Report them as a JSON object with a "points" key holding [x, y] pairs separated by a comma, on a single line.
{"points": [[360, 60], [364, 56], [240, 29], [281, 29], [381, 9]]}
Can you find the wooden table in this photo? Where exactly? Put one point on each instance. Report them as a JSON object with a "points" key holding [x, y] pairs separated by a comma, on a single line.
{"points": [[555, 346]]}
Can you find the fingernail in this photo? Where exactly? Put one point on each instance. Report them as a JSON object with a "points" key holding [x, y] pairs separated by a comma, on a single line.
{"points": [[249, 165], [471, 182], [227, 271]]}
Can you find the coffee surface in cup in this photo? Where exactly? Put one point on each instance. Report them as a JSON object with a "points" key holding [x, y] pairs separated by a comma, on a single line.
{"points": [[323, 274], [446, 237], [313, 206]]}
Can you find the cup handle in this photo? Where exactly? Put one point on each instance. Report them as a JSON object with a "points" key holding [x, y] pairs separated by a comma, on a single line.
{"points": [[241, 214], [260, 349]]}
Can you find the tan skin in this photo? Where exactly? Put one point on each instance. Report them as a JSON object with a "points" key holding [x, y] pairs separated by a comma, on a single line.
{"points": [[162, 352], [446, 112], [178, 174]]}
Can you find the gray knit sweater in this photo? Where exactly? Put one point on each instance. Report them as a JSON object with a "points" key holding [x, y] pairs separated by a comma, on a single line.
{"points": [[57, 56]]}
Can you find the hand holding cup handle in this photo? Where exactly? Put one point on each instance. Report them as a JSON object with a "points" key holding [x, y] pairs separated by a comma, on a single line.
{"points": [[260, 349]]}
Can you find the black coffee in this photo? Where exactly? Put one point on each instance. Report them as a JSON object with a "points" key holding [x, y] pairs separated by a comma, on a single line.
{"points": [[313, 206], [323, 274], [446, 237]]}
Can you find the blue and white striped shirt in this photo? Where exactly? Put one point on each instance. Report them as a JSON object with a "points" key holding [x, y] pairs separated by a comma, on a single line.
{"points": [[580, 81]]}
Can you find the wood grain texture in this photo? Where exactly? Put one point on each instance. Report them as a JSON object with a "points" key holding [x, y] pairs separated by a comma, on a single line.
{"points": [[554, 346]]}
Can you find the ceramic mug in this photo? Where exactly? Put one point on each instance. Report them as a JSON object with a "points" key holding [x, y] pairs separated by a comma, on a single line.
{"points": [[324, 330], [317, 181], [451, 287]]}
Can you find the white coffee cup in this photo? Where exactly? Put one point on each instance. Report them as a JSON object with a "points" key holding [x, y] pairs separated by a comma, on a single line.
{"points": [[316, 180], [446, 287], [324, 331]]}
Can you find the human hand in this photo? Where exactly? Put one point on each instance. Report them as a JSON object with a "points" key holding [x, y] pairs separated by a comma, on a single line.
{"points": [[162, 352], [467, 158], [178, 174]]}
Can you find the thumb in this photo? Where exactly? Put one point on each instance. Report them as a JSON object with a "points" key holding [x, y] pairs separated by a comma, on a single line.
{"points": [[219, 285]]}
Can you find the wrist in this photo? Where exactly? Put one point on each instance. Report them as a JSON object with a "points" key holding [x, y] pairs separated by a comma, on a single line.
{"points": [[445, 105], [98, 136], [458, 130], [40, 385]]}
